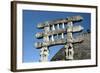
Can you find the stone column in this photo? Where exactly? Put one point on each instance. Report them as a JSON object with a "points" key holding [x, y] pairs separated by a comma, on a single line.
{"points": [[63, 28], [53, 27], [52, 36], [70, 51], [63, 25], [58, 29], [69, 47], [44, 52]]}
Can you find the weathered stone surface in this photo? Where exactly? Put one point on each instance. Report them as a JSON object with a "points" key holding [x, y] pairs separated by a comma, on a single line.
{"points": [[81, 50], [57, 42], [66, 20], [57, 28], [52, 32]]}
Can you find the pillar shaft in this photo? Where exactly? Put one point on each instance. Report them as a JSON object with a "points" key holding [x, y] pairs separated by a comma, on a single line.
{"points": [[63, 25], [62, 35], [44, 52], [53, 27], [58, 26], [69, 47]]}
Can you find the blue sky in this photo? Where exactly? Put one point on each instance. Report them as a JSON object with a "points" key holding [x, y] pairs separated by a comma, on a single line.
{"points": [[30, 20]]}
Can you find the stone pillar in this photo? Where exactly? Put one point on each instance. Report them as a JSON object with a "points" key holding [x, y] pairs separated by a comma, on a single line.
{"points": [[52, 38], [63, 25], [62, 35], [66, 52], [58, 26], [44, 52], [69, 51], [63, 28], [58, 29], [69, 47], [53, 27]]}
